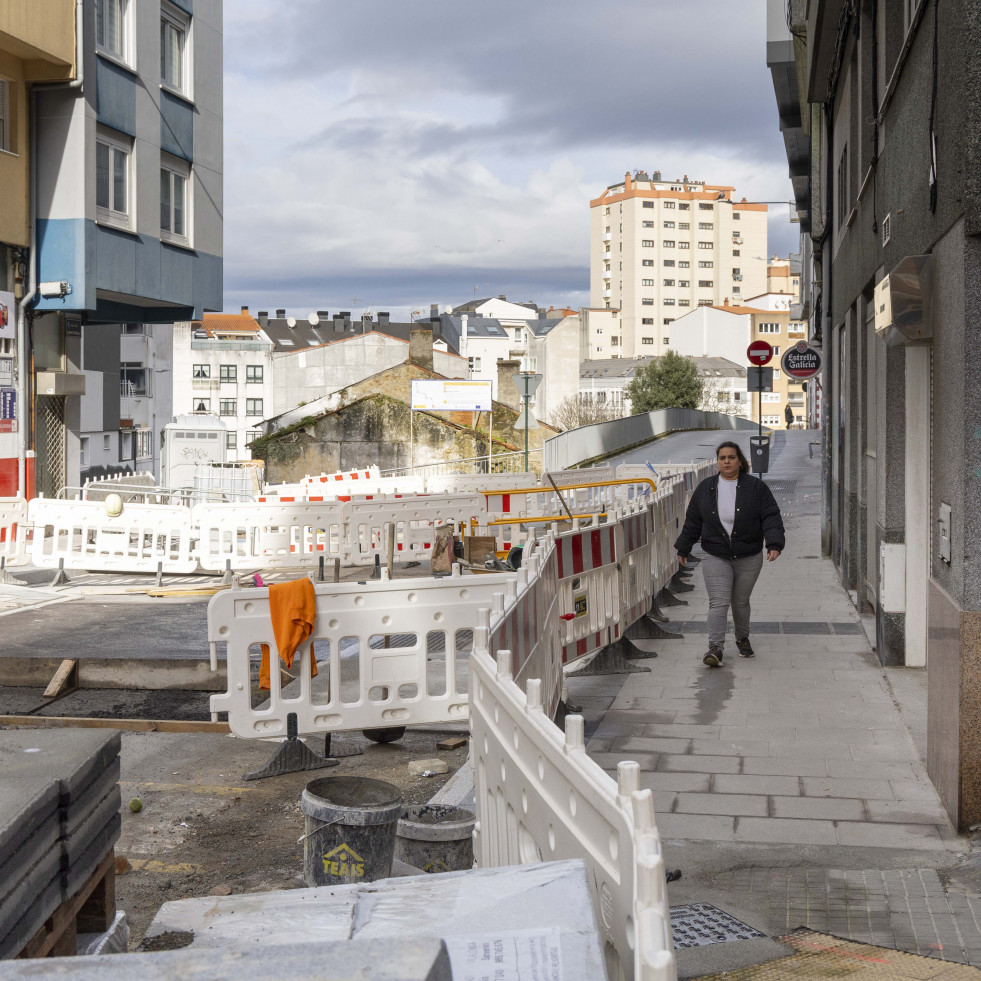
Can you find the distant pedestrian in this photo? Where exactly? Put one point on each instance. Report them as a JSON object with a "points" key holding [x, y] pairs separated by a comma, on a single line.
{"points": [[788, 414], [735, 516]]}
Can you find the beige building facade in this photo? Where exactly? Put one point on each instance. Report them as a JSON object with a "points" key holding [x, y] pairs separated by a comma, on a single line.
{"points": [[660, 249]]}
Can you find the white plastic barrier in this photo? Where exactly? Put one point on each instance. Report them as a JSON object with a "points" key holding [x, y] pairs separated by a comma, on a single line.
{"points": [[377, 645], [414, 519], [13, 530], [539, 797], [450, 483], [343, 490], [141, 538], [368, 473], [637, 564], [587, 475]]}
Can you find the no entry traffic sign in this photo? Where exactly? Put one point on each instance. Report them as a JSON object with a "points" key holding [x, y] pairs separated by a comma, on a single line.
{"points": [[801, 361], [759, 353]]}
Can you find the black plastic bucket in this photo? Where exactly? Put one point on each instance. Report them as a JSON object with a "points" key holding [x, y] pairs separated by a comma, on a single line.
{"points": [[350, 829], [436, 838]]}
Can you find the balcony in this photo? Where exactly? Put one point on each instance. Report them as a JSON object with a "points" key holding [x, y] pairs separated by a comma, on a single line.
{"points": [[607, 254], [607, 293], [607, 274], [607, 236], [204, 384]]}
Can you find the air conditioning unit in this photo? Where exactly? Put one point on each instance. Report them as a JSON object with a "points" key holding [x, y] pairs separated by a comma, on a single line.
{"points": [[903, 302]]}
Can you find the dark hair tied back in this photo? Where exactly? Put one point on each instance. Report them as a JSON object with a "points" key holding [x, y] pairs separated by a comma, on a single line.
{"points": [[729, 445]]}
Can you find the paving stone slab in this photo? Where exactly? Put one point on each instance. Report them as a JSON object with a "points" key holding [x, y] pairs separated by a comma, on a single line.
{"points": [[21, 895], [45, 901], [100, 844], [90, 827], [793, 832], [27, 806]]}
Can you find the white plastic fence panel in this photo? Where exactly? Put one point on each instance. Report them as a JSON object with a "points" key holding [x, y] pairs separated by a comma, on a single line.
{"points": [[13, 530], [138, 539], [636, 567], [539, 797], [414, 518], [388, 653], [367, 473], [588, 475], [448, 483]]}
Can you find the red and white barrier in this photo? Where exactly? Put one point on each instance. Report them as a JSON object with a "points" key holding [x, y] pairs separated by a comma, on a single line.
{"points": [[13, 531]]}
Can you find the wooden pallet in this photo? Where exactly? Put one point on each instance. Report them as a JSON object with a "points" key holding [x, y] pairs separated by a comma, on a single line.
{"points": [[91, 910]]}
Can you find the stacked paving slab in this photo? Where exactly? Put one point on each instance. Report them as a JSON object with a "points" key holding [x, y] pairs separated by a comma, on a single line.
{"points": [[59, 818]]}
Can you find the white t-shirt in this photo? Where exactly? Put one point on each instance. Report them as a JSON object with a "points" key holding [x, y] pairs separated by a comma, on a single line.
{"points": [[727, 503]]}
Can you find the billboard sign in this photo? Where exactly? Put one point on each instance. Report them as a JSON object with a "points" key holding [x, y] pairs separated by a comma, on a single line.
{"points": [[8, 315], [446, 395]]}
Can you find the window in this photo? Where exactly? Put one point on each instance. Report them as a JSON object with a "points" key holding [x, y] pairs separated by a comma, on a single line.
{"points": [[705, 264], [735, 251], [174, 26], [705, 207], [647, 262], [669, 262], [684, 282], [684, 206], [776, 351], [669, 302], [647, 320], [228, 372], [606, 210], [768, 329], [253, 373], [647, 301], [706, 225], [776, 371], [684, 245], [736, 216], [253, 407], [771, 396], [770, 420], [706, 283], [5, 133], [667, 340], [647, 340], [647, 243], [647, 224], [83, 452], [174, 180], [684, 264], [669, 224], [735, 272], [667, 204], [251, 435], [144, 444], [669, 282], [648, 204], [684, 303], [668, 243], [226, 407], [601, 397], [705, 303], [132, 376], [615, 341], [647, 282], [841, 185], [110, 27], [668, 320], [112, 164], [201, 371], [106, 442], [705, 245], [231, 440], [685, 225], [737, 289]]}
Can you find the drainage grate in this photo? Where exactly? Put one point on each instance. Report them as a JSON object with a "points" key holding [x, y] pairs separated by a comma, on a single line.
{"points": [[787, 486], [701, 924]]}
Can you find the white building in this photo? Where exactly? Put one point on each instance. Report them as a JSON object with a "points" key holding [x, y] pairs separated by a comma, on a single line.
{"points": [[601, 334], [604, 383], [659, 249]]}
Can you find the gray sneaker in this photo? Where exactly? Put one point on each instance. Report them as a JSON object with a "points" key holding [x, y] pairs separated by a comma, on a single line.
{"points": [[713, 656]]}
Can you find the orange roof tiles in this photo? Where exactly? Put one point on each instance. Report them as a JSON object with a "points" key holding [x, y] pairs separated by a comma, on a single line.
{"points": [[224, 322]]}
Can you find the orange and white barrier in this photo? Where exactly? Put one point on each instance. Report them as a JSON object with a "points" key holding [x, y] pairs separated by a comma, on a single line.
{"points": [[13, 531]]}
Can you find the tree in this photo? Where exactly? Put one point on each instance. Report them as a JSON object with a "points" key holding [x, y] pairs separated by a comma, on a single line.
{"points": [[576, 410], [670, 382], [717, 396]]}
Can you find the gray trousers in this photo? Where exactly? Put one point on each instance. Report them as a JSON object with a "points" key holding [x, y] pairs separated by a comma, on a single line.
{"points": [[729, 582]]}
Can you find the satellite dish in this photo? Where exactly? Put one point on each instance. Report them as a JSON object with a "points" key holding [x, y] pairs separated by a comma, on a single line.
{"points": [[447, 310], [313, 319], [291, 322]]}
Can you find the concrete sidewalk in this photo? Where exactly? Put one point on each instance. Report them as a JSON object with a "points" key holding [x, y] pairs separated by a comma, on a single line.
{"points": [[788, 787]]}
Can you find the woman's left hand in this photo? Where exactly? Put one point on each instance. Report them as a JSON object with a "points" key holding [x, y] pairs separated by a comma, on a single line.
{"points": [[772, 555]]}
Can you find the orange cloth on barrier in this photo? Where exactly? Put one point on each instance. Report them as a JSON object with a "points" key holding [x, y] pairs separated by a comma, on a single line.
{"points": [[293, 611]]}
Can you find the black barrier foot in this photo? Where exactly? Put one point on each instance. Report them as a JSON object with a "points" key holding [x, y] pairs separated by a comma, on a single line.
{"points": [[655, 612], [291, 757], [563, 711], [672, 875], [641, 629], [339, 753], [678, 585], [634, 653], [610, 660], [659, 633], [667, 598]]}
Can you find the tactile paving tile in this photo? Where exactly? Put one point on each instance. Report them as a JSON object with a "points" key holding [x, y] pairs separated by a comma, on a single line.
{"points": [[700, 924], [819, 955]]}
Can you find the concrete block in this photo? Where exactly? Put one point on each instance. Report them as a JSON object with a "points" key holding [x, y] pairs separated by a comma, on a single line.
{"points": [[394, 959], [418, 767], [44, 902], [745, 783], [89, 826], [98, 847], [27, 806], [775, 830], [731, 804]]}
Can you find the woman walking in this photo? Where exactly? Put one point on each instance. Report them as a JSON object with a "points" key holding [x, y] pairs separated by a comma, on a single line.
{"points": [[735, 517]]}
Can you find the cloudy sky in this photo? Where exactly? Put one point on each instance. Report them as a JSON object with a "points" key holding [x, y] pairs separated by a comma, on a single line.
{"points": [[390, 154]]}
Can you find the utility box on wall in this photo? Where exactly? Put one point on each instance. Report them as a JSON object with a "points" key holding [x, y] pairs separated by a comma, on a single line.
{"points": [[892, 578], [943, 532]]}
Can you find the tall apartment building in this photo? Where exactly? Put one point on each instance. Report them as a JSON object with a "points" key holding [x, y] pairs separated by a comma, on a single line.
{"points": [[124, 206], [659, 249]]}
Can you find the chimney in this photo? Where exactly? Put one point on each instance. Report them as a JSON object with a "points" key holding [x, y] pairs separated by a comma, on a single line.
{"points": [[507, 388], [464, 321], [245, 311], [657, 175], [346, 318], [434, 311], [501, 296], [725, 302], [383, 317], [263, 316], [421, 347], [323, 315], [280, 314], [542, 314]]}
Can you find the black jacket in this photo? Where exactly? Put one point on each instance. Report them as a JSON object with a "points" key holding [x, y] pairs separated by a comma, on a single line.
{"points": [[758, 520]]}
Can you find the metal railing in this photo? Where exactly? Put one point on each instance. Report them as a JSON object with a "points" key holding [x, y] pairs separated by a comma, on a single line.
{"points": [[499, 463]]}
